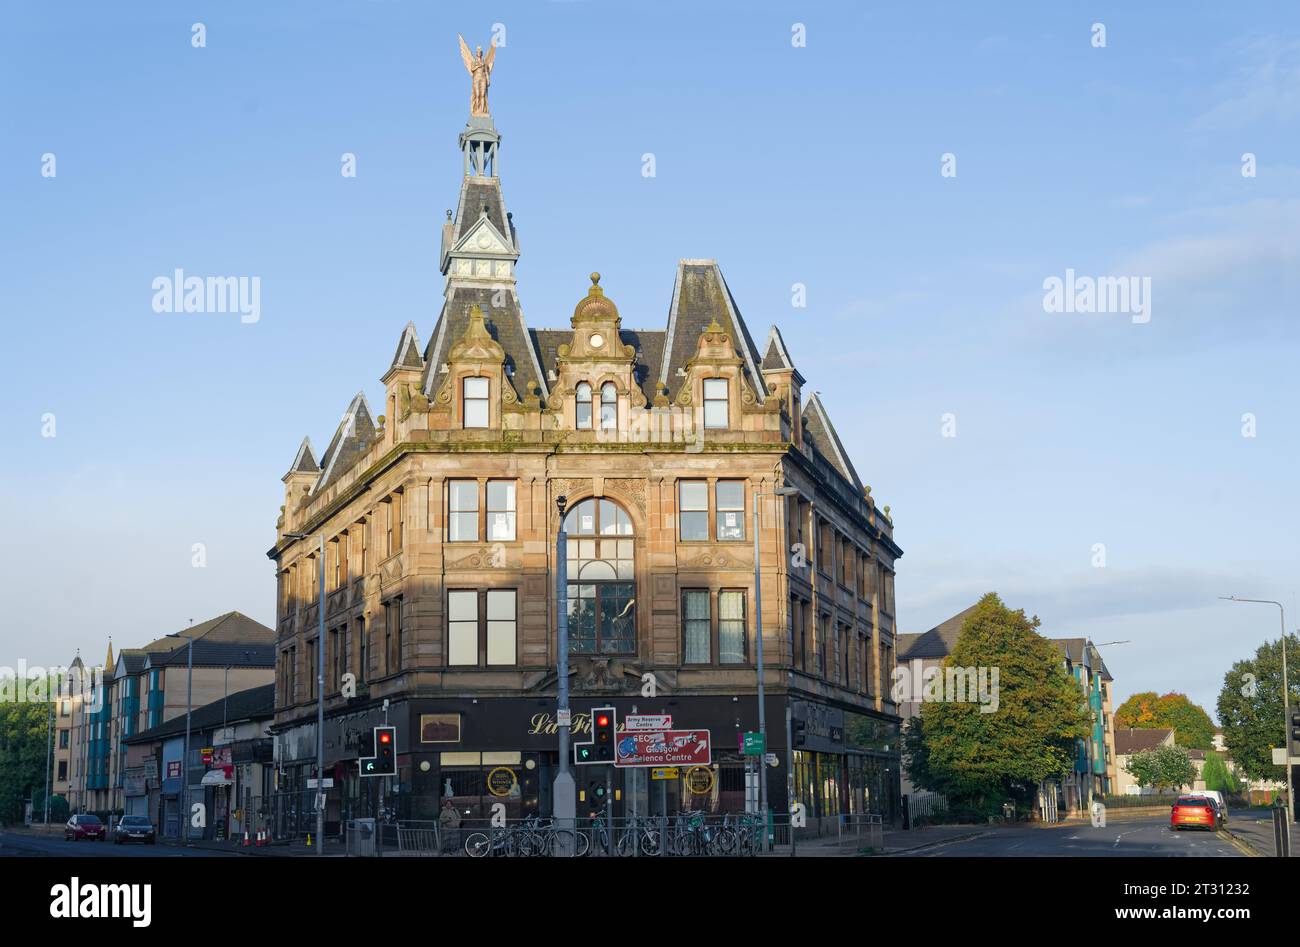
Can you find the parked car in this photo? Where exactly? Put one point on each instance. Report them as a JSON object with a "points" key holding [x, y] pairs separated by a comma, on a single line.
{"points": [[1216, 796], [1195, 812], [134, 828], [84, 826]]}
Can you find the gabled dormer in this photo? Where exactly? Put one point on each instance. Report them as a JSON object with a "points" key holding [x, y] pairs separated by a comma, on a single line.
{"points": [[715, 384], [786, 383], [402, 393], [595, 386], [473, 394]]}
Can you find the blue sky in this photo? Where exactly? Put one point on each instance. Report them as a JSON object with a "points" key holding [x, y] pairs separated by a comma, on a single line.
{"points": [[817, 165]]}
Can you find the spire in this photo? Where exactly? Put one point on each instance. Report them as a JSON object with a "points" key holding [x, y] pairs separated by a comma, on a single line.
{"points": [[108, 661], [304, 461], [408, 351]]}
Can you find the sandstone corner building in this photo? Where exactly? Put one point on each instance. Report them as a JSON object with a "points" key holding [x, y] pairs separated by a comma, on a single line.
{"points": [[439, 518]]}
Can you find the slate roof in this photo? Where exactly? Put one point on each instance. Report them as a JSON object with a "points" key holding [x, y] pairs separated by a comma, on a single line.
{"points": [[938, 642], [700, 295], [217, 654], [231, 627], [506, 325], [353, 437], [133, 659], [475, 194], [776, 357], [256, 703], [1129, 741], [1075, 649], [304, 461], [408, 350], [817, 429]]}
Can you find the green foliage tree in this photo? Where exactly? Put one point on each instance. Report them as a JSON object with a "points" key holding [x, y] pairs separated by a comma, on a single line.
{"points": [[1217, 775], [1165, 767], [1192, 726], [1250, 709], [23, 742], [981, 759]]}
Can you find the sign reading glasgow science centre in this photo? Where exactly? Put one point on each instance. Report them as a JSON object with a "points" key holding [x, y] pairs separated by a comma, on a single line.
{"points": [[663, 748]]}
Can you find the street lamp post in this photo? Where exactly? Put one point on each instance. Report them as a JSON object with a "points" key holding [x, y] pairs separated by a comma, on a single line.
{"points": [[564, 800], [1286, 700], [758, 659], [185, 756], [320, 696]]}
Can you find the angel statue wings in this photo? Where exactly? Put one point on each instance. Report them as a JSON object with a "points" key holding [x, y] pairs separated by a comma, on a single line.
{"points": [[480, 71]]}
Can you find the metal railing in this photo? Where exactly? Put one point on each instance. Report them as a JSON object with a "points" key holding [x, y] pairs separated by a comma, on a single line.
{"points": [[863, 831]]}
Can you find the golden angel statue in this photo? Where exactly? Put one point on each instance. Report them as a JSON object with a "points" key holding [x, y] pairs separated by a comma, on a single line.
{"points": [[480, 70]]}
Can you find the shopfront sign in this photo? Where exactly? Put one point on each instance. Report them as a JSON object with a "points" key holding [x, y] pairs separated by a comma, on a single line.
{"points": [[663, 748], [648, 721], [502, 781], [700, 780], [665, 772]]}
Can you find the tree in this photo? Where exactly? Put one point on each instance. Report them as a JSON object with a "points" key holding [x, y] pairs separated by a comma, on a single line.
{"points": [[23, 741], [1250, 710], [1138, 712], [1165, 767], [980, 758], [1217, 775], [1192, 726]]}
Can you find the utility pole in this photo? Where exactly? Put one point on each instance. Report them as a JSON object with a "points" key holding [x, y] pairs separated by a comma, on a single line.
{"points": [[49, 749], [320, 695], [758, 655], [1286, 703], [564, 793]]}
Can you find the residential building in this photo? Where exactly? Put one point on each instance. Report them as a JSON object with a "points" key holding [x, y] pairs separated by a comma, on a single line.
{"points": [[440, 519], [230, 767], [1093, 771], [141, 688], [1132, 740]]}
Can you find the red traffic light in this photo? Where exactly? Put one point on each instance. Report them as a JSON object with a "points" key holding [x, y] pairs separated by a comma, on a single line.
{"points": [[385, 737], [602, 720]]}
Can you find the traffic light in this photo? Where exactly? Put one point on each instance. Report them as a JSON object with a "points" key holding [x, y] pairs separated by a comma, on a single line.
{"points": [[602, 734], [386, 751], [799, 733], [366, 744], [582, 753], [1293, 735], [379, 752]]}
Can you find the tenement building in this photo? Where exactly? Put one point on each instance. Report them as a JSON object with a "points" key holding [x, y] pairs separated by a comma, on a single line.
{"points": [[439, 518]]}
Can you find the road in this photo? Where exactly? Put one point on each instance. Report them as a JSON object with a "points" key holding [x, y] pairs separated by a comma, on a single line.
{"points": [[1145, 837], [22, 844]]}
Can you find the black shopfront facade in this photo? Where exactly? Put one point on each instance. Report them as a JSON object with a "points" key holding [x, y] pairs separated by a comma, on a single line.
{"points": [[488, 750]]}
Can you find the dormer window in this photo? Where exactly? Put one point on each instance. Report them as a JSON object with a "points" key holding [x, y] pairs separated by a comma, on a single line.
{"points": [[474, 402], [608, 407], [582, 395], [716, 404]]}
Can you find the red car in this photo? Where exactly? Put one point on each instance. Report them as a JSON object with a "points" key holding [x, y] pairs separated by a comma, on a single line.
{"points": [[84, 826], [1195, 812]]}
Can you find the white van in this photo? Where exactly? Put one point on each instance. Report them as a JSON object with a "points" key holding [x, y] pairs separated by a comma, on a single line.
{"points": [[1216, 796]]}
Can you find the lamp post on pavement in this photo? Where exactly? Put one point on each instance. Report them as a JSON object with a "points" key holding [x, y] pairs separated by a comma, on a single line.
{"points": [[1286, 700], [564, 802], [758, 659], [320, 696], [184, 827]]}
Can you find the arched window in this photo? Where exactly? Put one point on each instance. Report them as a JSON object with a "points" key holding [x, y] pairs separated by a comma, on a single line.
{"points": [[608, 407], [602, 586], [582, 395]]}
